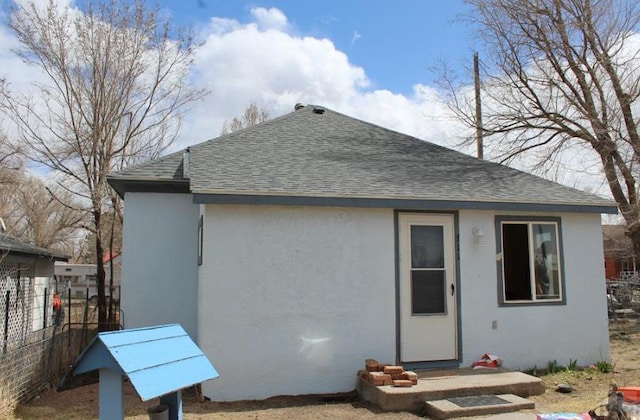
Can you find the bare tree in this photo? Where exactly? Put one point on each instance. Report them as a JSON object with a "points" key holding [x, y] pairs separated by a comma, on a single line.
{"points": [[50, 216], [252, 116], [45, 216], [563, 76], [116, 85], [112, 231], [10, 170], [33, 212]]}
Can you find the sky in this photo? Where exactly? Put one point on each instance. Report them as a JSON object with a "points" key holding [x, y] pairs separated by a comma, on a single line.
{"points": [[395, 42], [368, 59]]}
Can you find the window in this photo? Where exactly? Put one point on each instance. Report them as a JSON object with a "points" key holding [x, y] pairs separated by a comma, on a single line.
{"points": [[428, 294], [70, 279], [530, 267], [200, 238]]}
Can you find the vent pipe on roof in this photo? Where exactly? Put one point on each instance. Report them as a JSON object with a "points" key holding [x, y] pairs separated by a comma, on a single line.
{"points": [[298, 106], [318, 110], [185, 163]]}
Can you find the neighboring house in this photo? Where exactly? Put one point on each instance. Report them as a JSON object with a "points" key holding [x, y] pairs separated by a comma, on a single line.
{"points": [[297, 248], [80, 278], [619, 258], [27, 285]]}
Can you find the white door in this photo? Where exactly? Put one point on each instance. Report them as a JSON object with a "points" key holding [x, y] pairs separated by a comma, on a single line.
{"points": [[428, 327]]}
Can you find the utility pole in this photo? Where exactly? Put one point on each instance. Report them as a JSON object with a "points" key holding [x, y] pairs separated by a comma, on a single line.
{"points": [[476, 83]]}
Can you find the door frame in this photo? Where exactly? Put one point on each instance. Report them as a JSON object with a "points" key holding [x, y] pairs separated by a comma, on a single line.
{"points": [[440, 363]]}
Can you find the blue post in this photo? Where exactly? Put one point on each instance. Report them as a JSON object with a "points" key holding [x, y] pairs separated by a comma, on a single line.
{"points": [[111, 403], [174, 402]]}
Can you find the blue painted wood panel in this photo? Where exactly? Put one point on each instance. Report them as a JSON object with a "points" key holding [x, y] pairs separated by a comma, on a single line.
{"points": [[133, 357], [160, 380], [98, 358], [139, 335], [157, 360]]}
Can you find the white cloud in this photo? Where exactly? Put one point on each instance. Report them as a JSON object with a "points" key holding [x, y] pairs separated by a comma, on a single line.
{"points": [[356, 36], [270, 18], [16, 72], [266, 62]]}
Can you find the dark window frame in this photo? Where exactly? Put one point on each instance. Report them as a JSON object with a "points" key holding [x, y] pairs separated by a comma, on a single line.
{"points": [[499, 221], [200, 238]]}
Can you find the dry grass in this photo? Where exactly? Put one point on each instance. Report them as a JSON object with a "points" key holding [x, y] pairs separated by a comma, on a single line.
{"points": [[8, 402], [591, 388]]}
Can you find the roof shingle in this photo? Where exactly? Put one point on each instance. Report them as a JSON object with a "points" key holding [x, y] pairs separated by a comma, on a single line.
{"points": [[328, 154], [10, 245]]}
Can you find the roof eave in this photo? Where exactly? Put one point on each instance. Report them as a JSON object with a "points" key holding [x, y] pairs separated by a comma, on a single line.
{"points": [[27, 254], [401, 203], [125, 185]]}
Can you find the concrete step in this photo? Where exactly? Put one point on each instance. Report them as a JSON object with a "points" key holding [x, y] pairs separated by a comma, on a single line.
{"points": [[390, 398], [484, 405]]}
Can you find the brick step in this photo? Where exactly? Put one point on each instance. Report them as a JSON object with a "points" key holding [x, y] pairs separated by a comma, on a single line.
{"points": [[475, 406], [390, 398]]}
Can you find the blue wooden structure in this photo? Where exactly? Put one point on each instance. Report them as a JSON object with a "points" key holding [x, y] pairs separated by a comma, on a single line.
{"points": [[159, 361]]}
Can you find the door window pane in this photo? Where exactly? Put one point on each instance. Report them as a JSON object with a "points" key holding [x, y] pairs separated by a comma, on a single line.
{"points": [[427, 246], [427, 292]]}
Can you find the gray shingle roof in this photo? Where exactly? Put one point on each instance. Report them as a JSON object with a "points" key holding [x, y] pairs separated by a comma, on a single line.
{"points": [[167, 167], [311, 154], [10, 245]]}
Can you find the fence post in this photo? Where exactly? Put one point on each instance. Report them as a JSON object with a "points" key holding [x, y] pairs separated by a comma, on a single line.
{"points": [[44, 310], [6, 322], [69, 317], [84, 318]]}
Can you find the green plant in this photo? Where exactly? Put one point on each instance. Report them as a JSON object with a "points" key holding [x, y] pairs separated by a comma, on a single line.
{"points": [[553, 367], [604, 367], [573, 364]]}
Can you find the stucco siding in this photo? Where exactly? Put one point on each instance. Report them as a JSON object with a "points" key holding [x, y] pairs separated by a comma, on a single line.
{"points": [[525, 336], [159, 261], [293, 299]]}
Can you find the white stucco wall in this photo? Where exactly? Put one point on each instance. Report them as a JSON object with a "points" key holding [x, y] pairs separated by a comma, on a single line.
{"points": [[39, 311], [159, 261], [294, 299], [528, 335]]}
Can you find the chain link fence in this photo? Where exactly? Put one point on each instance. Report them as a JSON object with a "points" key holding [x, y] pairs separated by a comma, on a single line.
{"points": [[623, 303], [39, 342]]}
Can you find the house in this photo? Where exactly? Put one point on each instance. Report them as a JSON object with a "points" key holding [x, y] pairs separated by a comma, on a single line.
{"points": [[78, 279], [293, 250], [26, 291], [619, 258]]}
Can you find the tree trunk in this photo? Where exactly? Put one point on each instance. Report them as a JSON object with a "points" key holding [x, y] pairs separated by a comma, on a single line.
{"points": [[634, 233], [110, 313], [103, 324]]}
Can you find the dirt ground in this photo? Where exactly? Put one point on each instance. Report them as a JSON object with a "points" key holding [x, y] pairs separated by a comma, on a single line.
{"points": [[591, 388]]}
